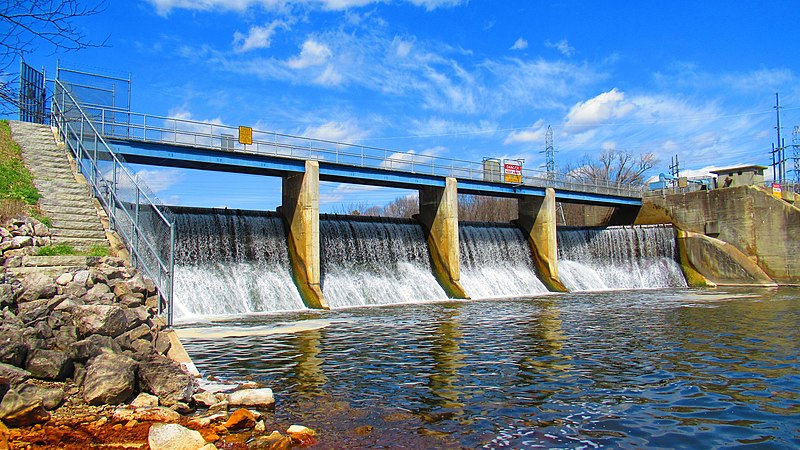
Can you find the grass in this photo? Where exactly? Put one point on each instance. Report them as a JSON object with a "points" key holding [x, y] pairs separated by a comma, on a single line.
{"points": [[18, 195], [68, 250]]}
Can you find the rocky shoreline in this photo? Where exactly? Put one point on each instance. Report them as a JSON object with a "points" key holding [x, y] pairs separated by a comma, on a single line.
{"points": [[84, 359]]}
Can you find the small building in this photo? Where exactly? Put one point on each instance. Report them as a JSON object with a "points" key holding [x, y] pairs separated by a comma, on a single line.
{"points": [[739, 176]]}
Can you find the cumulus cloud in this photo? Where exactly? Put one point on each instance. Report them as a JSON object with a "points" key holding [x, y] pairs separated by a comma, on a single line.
{"points": [[598, 110], [562, 46], [520, 44], [257, 37], [312, 54]]}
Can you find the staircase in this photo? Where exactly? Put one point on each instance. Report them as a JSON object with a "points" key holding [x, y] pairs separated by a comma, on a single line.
{"points": [[67, 202]]}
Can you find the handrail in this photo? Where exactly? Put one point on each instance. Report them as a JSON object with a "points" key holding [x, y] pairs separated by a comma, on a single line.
{"points": [[176, 131], [139, 229]]}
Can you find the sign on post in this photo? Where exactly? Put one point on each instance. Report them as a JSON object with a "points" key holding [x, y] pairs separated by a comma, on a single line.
{"points": [[776, 190], [245, 135], [513, 172]]}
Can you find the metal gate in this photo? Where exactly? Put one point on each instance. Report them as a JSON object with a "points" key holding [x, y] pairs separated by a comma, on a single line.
{"points": [[32, 94]]}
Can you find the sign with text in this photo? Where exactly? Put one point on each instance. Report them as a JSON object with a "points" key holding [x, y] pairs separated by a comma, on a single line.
{"points": [[513, 172], [245, 135], [776, 190]]}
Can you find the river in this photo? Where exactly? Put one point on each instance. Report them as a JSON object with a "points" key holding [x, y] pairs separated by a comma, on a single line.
{"points": [[660, 368]]}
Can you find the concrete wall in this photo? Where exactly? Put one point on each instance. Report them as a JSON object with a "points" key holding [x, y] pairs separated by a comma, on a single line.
{"points": [[765, 229], [537, 220], [719, 262], [438, 215]]}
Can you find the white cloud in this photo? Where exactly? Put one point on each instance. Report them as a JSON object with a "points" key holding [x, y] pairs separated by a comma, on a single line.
{"points": [[594, 112], [257, 37], [430, 5], [164, 7], [347, 132], [330, 77], [535, 133], [159, 180], [520, 44], [562, 46], [312, 54]]}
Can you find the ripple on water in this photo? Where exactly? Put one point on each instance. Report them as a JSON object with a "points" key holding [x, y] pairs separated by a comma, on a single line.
{"points": [[619, 369]]}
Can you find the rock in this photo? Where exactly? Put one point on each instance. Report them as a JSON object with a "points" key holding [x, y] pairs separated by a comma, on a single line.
{"points": [[303, 436], [171, 436], [6, 295], [97, 292], [60, 319], [75, 290], [165, 378], [142, 348], [4, 435], [20, 409], [65, 338], [34, 310], [260, 426], [110, 379], [13, 349], [204, 398], [137, 284], [209, 446], [162, 343], [106, 320], [64, 279], [258, 398], [92, 346], [241, 419], [49, 364], [81, 278], [144, 399], [37, 285], [274, 441], [145, 414], [218, 407], [52, 398], [13, 374], [137, 315], [21, 241], [364, 430], [139, 332]]}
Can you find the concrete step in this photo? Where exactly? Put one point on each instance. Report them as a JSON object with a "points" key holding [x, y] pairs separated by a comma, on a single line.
{"points": [[78, 233], [58, 261], [63, 220], [80, 210], [63, 202], [81, 244]]}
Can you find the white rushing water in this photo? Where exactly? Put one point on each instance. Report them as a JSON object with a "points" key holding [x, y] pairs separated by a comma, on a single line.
{"points": [[496, 261], [375, 262], [231, 262], [618, 258]]}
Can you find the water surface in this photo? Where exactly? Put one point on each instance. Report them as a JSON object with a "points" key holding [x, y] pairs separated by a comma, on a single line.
{"points": [[672, 368]]}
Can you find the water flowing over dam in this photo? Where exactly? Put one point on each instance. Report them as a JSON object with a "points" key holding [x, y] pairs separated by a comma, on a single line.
{"points": [[231, 262], [618, 258], [374, 261], [496, 261]]}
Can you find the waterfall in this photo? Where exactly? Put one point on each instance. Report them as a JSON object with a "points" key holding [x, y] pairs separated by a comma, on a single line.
{"points": [[372, 261], [496, 261], [231, 262], [618, 258]]}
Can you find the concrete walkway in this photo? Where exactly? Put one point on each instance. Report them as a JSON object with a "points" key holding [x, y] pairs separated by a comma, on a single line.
{"points": [[65, 200]]}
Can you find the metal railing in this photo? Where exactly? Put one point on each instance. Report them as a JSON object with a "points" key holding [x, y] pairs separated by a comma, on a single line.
{"points": [[134, 213], [123, 124]]}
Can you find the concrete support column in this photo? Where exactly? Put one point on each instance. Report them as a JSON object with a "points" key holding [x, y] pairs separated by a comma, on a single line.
{"points": [[438, 215], [537, 220], [300, 211]]}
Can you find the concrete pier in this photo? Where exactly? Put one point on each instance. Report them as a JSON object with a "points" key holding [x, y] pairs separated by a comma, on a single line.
{"points": [[438, 215], [300, 211], [537, 220]]}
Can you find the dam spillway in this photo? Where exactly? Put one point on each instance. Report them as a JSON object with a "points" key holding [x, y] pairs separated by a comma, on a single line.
{"points": [[496, 261], [375, 261], [624, 257]]}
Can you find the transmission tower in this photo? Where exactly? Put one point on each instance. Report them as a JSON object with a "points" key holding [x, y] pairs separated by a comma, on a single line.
{"points": [[550, 153], [675, 167], [778, 149], [796, 153]]}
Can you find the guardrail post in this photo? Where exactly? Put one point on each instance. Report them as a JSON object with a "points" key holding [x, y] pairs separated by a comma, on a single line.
{"points": [[171, 276], [112, 195], [135, 229]]}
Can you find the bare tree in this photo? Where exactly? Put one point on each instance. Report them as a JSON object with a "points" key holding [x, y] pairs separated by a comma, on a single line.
{"points": [[27, 24], [482, 208], [617, 167]]}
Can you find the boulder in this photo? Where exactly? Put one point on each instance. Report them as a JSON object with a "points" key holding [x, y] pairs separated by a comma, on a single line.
{"points": [[110, 379], [64, 279], [204, 398], [92, 346], [52, 397], [166, 379], [29, 312], [99, 294], [162, 343], [142, 331], [106, 320], [301, 435], [13, 374], [37, 285], [65, 338], [145, 414], [13, 348], [49, 364], [241, 419], [7, 297], [144, 400], [274, 441], [81, 278], [257, 398], [21, 408], [171, 436]]}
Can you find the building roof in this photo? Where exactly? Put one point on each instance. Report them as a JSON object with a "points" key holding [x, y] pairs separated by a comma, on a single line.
{"points": [[750, 168]]}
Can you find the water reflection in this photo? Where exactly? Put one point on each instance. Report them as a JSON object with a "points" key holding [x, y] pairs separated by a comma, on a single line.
{"points": [[621, 369]]}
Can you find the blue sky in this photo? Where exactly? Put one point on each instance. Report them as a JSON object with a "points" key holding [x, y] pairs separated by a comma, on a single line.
{"points": [[455, 78]]}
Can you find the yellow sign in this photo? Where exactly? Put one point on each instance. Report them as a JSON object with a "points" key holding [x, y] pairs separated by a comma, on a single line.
{"points": [[245, 135], [513, 172], [776, 190]]}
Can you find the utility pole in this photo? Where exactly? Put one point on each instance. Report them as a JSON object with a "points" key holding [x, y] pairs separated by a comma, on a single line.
{"points": [[550, 154], [778, 155], [674, 167], [796, 153]]}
